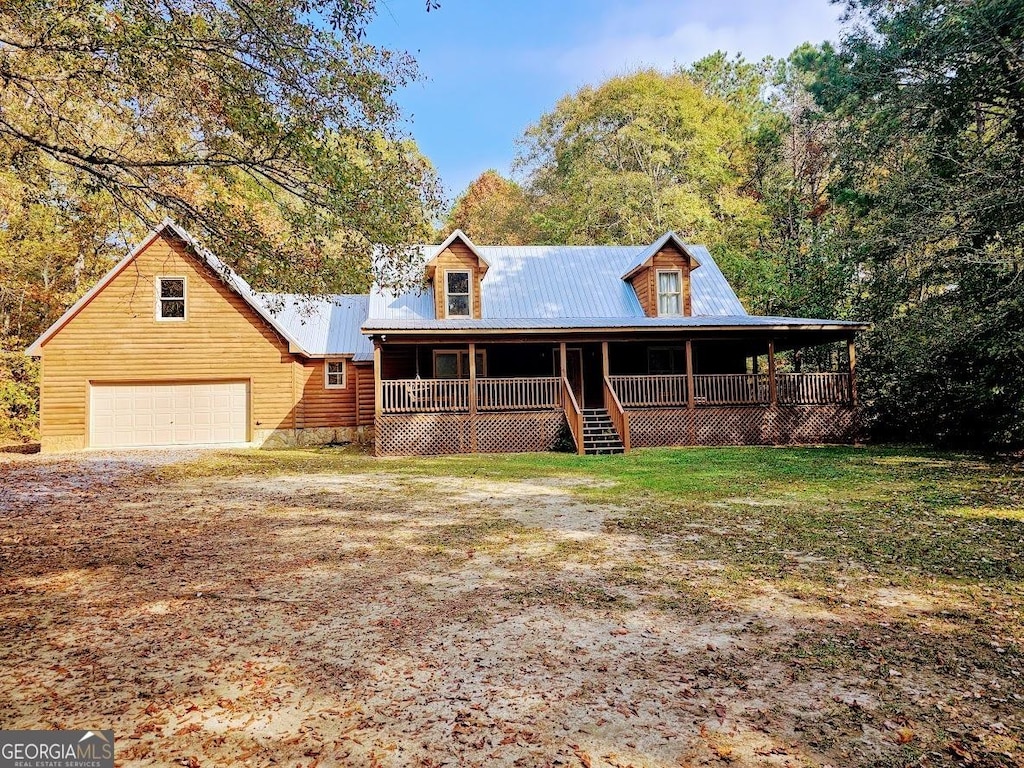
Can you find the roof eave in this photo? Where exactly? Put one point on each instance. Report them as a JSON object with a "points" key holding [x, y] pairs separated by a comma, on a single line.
{"points": [[824, 327]]}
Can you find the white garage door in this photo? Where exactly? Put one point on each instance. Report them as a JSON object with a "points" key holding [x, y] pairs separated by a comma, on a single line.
{"points": [[126, 415]]}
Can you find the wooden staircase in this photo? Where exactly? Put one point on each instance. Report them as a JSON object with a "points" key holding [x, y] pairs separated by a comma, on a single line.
{"points": [[599, 435]]}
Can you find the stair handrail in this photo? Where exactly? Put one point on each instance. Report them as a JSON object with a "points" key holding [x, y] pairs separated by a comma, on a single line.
{"points": [[618, 414], [573, 415]]}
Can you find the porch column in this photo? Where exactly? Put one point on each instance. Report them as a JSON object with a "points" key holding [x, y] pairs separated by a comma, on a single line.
{"points": [[690, 395], [378, 387], [773, 384], [604, 359], [852, 355], [472, 397], [562, 355], [689, 375]]}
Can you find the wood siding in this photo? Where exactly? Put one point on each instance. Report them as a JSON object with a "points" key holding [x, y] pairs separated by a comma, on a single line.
{"points": [[645, 282], [364, 373], [320, 407], [457, 256], [116, 338]]}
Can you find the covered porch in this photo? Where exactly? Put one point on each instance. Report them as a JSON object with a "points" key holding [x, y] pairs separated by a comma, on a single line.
{"points": [[499, 395]]}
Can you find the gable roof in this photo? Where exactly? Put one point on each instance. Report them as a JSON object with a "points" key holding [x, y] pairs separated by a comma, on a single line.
{"points": [[643, 259], [458, 234], [232, 280], [571, 284]]}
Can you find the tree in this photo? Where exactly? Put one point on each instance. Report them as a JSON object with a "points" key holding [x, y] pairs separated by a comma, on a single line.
{"points": [[639, 155], [929, 95], [494, 209], [170, 107]]}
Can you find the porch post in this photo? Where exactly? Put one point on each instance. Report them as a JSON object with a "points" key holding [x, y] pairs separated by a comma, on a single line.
{"points": [[689, 375], [690, 395], [604, 358], [472, 397], [378, 387], [773, 385], [355, 383], [852, 354], [562, 355]]}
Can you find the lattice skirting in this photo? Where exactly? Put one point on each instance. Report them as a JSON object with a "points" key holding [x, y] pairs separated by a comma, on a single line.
{"points": [[781, 425], [426, 434]]}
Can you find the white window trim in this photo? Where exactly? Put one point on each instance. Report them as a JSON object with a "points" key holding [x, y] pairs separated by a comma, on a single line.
{"points": [[158, 308], [658, 294], [459, 354], [344, 373], [469, 284]]}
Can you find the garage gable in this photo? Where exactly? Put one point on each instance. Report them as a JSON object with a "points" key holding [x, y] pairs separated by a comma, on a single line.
{"points": [[171, 242]]}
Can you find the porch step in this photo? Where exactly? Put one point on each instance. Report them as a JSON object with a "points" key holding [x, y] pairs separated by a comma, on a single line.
{"points": [[599, 435]]}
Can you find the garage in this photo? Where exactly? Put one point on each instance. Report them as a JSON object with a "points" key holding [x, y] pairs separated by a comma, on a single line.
{"points": [[156, 414]]}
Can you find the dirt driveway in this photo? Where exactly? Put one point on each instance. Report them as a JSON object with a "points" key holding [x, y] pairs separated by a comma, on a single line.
{"points": [[378, 619]]}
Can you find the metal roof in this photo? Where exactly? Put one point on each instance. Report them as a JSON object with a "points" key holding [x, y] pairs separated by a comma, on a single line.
{"points": [[324, 326], [568, 283], [590, 323]]}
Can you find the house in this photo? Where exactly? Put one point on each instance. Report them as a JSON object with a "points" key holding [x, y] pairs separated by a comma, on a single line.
{"points": [[497, 349]]}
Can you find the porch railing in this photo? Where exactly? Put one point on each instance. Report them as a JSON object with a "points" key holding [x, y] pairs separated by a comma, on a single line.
{"points": [[730, 388], [813, 388], [424, 395], [618, 414], [645, 391], [573, 414], [548, 392], [519, 394]]}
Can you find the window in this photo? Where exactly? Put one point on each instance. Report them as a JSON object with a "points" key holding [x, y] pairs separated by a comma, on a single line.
{"points": [[670, 293], [457, 293], [454, 364], [334, 374], [170, 303], [666, 360]]}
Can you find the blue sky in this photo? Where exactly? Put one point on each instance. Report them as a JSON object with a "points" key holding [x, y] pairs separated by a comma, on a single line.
{"points": [[493, 67]]}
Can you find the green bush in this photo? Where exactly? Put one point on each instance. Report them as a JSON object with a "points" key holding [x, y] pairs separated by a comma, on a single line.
{"points": [[19, 394]]}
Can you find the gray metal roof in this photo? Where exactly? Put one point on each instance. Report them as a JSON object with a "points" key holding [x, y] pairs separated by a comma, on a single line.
{"points": [[567, 283], [642, 322], [323, 326]]}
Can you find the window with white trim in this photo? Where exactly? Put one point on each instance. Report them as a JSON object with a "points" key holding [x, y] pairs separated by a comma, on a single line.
{"points": [[670, 292], [457, 301], [454, 363], [334, 374], [170, 298]]}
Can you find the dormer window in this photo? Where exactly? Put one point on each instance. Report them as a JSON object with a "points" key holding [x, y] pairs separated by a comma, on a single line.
{"points": [[170, 302], [457, 293], [670, 293]]}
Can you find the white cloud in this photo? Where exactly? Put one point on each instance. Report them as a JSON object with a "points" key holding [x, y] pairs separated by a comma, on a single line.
{"points": [[666, 34]]}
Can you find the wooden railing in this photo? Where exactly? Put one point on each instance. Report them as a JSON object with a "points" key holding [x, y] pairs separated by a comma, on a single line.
{"points": [[645, 391], [424, 395], [730, 388], [621, 392], [519, 394], [813, 388], [573, 415], [620, 419]]}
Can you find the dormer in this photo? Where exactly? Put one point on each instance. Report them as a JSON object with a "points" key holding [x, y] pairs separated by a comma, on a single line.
{"points": [[660, 276], [456, 271]]}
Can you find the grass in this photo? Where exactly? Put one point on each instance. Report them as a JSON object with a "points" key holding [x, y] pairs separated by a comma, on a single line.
{"points": [[894, 511]]}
